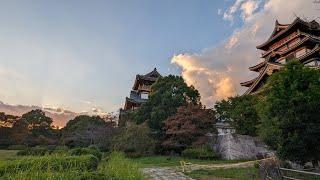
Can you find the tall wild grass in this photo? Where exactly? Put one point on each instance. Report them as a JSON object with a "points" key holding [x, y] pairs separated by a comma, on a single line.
{"points": [[118, 167]]}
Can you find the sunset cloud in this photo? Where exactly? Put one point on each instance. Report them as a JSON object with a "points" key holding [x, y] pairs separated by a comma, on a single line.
{"points": [[213, 85], [217, 72]]}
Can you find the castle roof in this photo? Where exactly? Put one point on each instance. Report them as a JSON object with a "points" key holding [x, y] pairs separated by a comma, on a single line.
{"points": [[148, 78], [281, 30]]}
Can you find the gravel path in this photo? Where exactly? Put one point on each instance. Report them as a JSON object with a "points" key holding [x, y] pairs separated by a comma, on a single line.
{"points": [[165, 173]]}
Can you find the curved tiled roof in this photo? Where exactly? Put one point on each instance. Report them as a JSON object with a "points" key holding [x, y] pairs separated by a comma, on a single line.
{"points": [[274, 36], [150, 77], [312, 52], [258, 66], [261, 75], [248, 83]]}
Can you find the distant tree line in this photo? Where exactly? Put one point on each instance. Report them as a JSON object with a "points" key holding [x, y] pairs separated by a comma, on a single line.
{"points": [[35, 128]]}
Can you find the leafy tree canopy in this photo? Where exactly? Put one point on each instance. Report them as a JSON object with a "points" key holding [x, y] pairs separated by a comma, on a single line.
{"points": [[83, 122], [240, 112], [7, 120], [87, 130], [134, 140], [167, 94], [37, 122], [33, 128], [290, 113], [188, 127]]}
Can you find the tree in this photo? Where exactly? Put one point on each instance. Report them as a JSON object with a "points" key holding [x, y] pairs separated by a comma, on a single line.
{"points": [[240, 112], [188, 127], [290, 113], [37, 122], [34, 128], [7, 120], [86, 130], [167, 94], [134, 140], [6, 123]]}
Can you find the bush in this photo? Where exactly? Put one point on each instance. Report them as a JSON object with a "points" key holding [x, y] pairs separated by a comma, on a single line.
{"points": [[34, 151], [43, 150], [49, 163], [60, 150], [199, 153], [134, 140], [85, 151], [17, 147], [120, 168], [69, 175]]}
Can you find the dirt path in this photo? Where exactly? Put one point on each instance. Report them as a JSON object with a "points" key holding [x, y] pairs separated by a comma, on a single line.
{"points": [[191, 167], [165, 173], [174, 173]]}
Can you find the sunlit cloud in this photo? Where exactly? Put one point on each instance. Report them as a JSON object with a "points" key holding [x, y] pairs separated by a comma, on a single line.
{"points": [[217, 72], [246, 9]]}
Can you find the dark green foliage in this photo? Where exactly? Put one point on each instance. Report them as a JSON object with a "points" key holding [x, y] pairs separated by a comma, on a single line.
{"points": [[240, 112], [84, 131], [52, 163], [16, 147], [290, 113], [86, 151], [34, 128], [38, 123], [5, 137], [43, 150], [203, 153], [34, 151], [134, 140], [167, 94]]}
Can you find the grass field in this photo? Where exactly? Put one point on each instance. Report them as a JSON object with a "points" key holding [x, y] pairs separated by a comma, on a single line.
{"points": [[166, 161], [67, 167], [7, 154], [234, 173], [115, 166]]}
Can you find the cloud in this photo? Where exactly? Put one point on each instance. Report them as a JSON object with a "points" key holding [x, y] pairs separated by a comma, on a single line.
{"points": [[217, 72], [248, 8], [212, 84]]}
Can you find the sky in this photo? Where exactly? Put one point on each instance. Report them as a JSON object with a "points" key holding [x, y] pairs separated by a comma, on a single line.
{"points": [[83, 55]]}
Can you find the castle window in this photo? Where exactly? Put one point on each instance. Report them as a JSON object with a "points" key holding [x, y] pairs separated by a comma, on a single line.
{"points": [[144, 95]]}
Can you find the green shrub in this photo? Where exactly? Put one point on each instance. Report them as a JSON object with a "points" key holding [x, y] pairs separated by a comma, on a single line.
{"points": [[199, 153], [34, 151], [43, 150], [16, 147], [120, 168], [134, 140], [49, 164], [49, 175], [60, 150], [85, 151]]}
